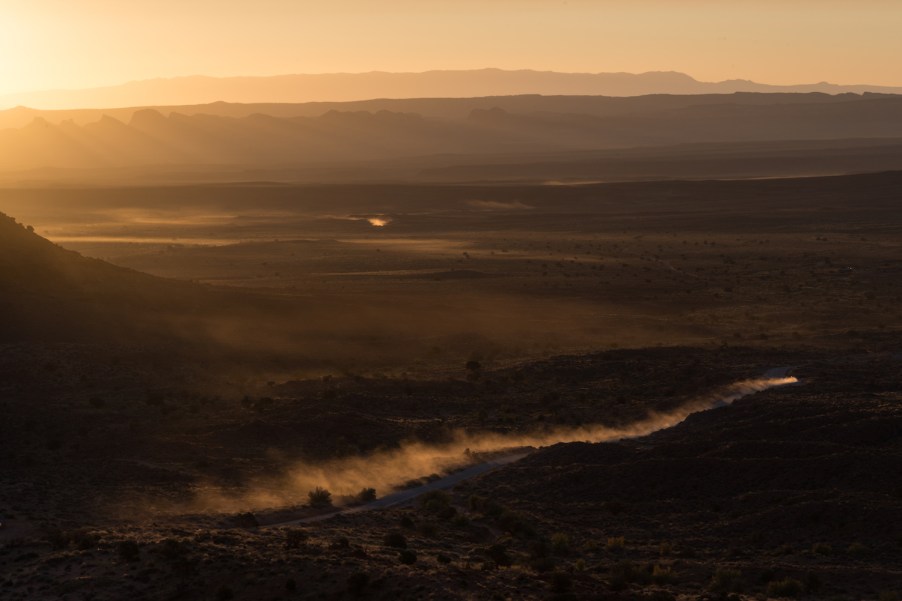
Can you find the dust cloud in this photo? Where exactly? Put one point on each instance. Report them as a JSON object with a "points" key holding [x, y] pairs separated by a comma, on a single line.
{"points": [[387, 471]]}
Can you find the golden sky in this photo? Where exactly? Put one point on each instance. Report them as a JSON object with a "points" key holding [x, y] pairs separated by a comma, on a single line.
{"points": [[50, 44]]}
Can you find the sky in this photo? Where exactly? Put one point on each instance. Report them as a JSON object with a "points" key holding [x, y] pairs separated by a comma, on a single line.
{"points": [[61, 44]]}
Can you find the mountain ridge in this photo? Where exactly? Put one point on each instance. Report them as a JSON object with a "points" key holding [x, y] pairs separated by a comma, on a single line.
{"points": [[343, 87], [247, 136]]}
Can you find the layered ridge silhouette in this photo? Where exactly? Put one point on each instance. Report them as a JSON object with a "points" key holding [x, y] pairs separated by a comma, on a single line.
{"points": [[303, 135]]}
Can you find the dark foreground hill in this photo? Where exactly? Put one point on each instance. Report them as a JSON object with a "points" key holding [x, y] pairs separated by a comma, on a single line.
{"points": [[50, 293]]}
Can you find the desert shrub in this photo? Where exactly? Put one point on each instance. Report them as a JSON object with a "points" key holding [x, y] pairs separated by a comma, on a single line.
{"points": [[56, 538], [726, 580], [813, 583], [319, 497], [245, 520], [460, 521], [498, 554], [889, 596], [541, 565], [787, 587], [224, 593], [615, 544], [428, 529], [128, 551], [291, 585], [367, 495], [663, 575], [857, 549], [561, 582], [357, 583], [395, 539], [625, 573], [485, 506], [821, 549], [97, 402], [442, 558], [516, 524], [539, 548], [172, 549], [406, 522], [294, 539], [560, 543], [435, 501], [407, 557], [80, 539]]}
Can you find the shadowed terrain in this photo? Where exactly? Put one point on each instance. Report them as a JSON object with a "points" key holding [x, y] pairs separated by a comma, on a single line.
{"points": [[183, 363]]}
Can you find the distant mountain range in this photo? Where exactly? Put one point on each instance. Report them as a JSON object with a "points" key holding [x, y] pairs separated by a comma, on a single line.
{"points": [[341, 87], [239, 137]]}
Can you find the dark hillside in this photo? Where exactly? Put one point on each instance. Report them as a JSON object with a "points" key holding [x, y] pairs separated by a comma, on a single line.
{"points": [[50, 293]]}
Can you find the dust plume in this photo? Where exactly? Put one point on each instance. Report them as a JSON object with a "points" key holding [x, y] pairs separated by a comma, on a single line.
{"points": [[386, 471]]}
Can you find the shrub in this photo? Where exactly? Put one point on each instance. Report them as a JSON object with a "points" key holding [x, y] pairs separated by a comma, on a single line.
{"points": [[726, 580], [561, 582], [542, 564], [172, 549], [367, 495], [224, 593], [294, 539], [516, 524], [245, 520], [320, 497], [857, 549], [435, 501], [821, 549], [498, 554], [407, 557], [787, 587], [663, 575], [615, 543], [357, 583], [427, 529], [460, 521], [128, 551], [560, 542], [395, 539], [624, 573]]}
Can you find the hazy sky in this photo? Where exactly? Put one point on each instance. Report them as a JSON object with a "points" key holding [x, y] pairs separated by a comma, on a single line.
{"points": [[47, 44]]}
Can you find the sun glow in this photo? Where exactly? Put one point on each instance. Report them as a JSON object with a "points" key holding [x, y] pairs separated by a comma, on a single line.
{"points": [[15, 65]]}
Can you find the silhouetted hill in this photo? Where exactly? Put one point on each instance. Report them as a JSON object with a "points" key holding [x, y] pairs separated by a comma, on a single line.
{"points": [[360, 86], [53, 294]]}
